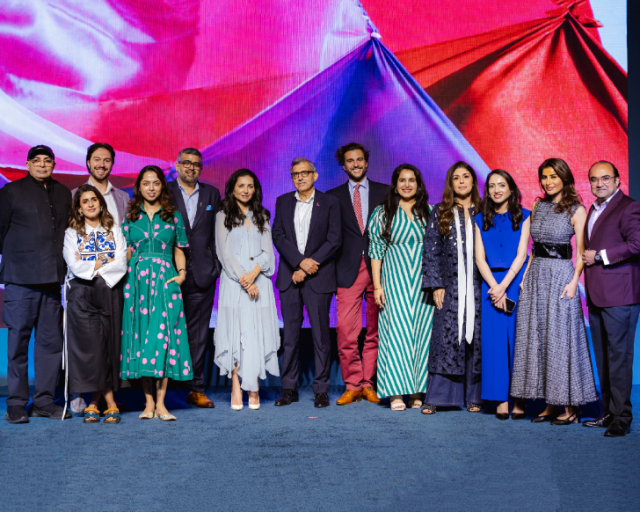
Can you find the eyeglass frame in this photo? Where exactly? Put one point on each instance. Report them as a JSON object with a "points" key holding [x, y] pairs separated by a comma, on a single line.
{"points": [[188, 163], [48, 161], [302, 174], [594, 180]]}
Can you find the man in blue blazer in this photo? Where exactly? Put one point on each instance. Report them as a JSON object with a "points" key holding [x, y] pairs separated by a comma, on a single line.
{"points": [[307, 233], [358, 198], [198, 204]]}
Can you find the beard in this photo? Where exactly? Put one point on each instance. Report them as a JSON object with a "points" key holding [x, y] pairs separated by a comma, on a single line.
{"points": [[187, 178], [92, 172]]}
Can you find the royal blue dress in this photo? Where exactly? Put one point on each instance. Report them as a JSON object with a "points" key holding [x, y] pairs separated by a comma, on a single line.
{"points": [[498, 328]]}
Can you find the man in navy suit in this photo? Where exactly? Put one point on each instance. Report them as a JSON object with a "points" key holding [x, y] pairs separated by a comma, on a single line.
{"points": [[307, 233], [358, 198], [198, 204]]}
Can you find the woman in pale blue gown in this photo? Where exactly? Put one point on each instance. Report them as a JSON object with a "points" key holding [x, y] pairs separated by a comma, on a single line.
{"points": [[247, 335]]}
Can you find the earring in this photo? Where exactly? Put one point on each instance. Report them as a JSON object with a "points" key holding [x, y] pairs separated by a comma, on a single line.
{"points": [[81, 214]]}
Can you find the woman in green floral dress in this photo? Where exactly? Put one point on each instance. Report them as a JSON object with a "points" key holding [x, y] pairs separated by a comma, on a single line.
{"points": [[154, 333]]}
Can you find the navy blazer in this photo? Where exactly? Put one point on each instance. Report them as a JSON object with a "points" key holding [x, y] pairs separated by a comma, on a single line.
{"points": [[31, 238], [354, 243], [201, 255], [325, 237]]}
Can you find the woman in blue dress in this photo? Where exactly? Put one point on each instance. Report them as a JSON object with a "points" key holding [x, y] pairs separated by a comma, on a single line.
{"points": [[502, 238], [247, 336]]}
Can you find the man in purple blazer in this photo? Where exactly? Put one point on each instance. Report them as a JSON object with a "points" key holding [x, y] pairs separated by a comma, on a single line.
{"points": [[612, 278]]}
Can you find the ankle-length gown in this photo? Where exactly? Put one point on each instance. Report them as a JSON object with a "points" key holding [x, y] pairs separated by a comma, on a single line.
{"points": [[247, 331], [551, 359]]}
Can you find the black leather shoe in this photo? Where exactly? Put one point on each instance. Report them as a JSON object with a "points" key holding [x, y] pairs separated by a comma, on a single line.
{"points": [[321, 400], [502, 416], [602, 422], [287, 397], [572, 418], [617, 429], [52, 411], [542, 419], [16, 414], [518, 415]]}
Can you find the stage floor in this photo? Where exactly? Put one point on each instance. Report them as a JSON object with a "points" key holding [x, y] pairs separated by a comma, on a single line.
{"points": [[360, 457]]}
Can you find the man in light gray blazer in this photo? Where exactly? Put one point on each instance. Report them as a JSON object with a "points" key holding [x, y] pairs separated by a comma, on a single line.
{"points": [[100, 160]]}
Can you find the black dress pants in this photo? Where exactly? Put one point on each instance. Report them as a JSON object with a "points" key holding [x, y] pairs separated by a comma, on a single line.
{"points": [[292, 300], [198, 304], [613, 331], [26, 308]]}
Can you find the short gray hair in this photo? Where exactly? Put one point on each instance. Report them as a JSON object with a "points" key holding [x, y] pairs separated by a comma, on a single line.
{"points": [[301, 160], [189, 151]]}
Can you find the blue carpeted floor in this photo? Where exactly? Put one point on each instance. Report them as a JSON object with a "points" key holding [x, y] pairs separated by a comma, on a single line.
{"points": [[360, 457]]}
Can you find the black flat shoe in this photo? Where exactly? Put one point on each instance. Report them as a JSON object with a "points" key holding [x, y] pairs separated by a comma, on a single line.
{"points": [[542, 419], [602, 422], [574, 418], [287, 397], [321, 400], [617, 429], [518, 416], [502, 416]]}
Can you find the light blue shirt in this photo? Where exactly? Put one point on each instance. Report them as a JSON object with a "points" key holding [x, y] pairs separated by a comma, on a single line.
{"points": [[364, 198], [190, 201]]}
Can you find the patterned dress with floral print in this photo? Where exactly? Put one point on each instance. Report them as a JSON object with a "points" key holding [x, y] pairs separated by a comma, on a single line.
{"points": [[154, 332]]}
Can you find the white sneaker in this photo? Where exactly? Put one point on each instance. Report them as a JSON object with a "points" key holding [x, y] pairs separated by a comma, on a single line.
{"points": [[78, 405]]}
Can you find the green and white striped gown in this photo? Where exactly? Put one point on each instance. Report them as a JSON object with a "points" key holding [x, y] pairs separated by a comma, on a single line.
{"points": [[406, 319]]}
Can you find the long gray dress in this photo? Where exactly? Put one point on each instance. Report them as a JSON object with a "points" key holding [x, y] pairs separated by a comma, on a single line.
{"points": [[247, 331], [551, 357]]}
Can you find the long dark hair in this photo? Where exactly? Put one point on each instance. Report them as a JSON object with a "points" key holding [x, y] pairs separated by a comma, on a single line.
{"points": [[76, 220], [392, 199], [449, 200], [168, 209], [570, 196], [233, 217], [514, 202]]}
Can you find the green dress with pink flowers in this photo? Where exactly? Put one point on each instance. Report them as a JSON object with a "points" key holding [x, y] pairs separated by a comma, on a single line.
{"points": [[154, 333]]}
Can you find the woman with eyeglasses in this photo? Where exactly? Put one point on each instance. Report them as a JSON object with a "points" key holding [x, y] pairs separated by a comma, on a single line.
{"points": [[552, 360], [247, 336]]}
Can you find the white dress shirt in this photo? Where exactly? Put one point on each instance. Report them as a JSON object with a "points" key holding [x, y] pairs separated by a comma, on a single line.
{"points": [[111, 202], [597, 211], [302, 220], [83, 268]]}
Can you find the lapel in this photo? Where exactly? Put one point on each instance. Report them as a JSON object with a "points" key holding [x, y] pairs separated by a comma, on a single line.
{"points": [[203, 202], [315, 213], [289, 215], [586, 227], [610, 207], [345, 197], [179, 202]]}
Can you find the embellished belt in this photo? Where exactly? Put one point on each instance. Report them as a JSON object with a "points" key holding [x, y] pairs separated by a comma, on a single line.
{"points": [[554, 251]]}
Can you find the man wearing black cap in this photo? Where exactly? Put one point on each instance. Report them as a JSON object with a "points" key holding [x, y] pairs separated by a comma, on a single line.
{"points": [[33, 217]]}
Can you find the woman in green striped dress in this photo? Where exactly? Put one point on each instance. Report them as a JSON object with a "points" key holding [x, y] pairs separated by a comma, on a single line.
{"points": [[397, 230]]}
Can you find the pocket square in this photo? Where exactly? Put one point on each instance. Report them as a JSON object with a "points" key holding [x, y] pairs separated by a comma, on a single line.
{"points": [[209, 207]]}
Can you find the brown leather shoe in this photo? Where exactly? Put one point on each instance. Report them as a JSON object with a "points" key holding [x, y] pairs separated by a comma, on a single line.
{"points": [[199, 400], [349, 396], [370, 396]]}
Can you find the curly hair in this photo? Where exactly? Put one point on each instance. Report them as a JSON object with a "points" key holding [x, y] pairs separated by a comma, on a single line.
{"points": [[168, 210], [449, 199], [569, 195], [233, 217], [352, 146], [514, 202], [76, 219], [392, 199]]}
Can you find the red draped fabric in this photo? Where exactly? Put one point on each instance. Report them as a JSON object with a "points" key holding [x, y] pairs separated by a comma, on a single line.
{"points": [[526, 92]]}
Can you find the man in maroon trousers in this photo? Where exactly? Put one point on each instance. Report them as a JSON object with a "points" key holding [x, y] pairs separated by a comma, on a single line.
{"points": [[358, 198], [612, 279]]}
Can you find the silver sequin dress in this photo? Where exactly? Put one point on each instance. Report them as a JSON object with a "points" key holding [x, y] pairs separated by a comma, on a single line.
{"points": [[551, 357]]}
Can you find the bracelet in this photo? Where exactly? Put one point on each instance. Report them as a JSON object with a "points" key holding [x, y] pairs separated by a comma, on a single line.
{"points": [[376, 273], [378, 288], [181, 269]]}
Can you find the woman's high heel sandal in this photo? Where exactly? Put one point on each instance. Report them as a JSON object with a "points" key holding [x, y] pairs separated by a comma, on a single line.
{"points": [[572, 418]]}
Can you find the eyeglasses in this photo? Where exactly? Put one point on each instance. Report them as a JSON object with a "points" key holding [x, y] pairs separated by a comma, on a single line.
{"points": [[604, 179], [301, 174], [47, 162], [188, 164]]}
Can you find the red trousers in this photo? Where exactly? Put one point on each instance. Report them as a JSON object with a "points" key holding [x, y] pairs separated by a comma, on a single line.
{"points": [[356, 372]]}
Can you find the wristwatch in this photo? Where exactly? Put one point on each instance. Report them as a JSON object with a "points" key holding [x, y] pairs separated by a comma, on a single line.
{"points": [[597, 257]]}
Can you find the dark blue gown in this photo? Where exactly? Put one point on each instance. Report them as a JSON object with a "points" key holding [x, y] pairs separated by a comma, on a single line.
{"points": [[498, 328]]}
